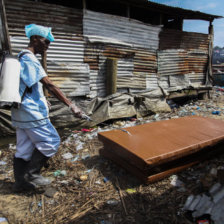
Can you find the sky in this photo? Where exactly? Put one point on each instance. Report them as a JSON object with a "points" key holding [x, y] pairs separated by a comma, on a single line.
{"points": [[214, 7]]}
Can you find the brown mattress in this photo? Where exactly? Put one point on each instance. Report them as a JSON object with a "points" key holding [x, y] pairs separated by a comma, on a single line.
{"points": [[163, 147]]}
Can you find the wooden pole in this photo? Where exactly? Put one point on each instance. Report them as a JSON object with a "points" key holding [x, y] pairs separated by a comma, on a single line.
{"points": [[6, 44], [84, 4], [209, 75], [111, 77], [128, 11], [44, 65], [44, 61]]}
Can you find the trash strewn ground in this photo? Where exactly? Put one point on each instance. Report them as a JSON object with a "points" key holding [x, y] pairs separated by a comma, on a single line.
{"points": [[88, 189]]}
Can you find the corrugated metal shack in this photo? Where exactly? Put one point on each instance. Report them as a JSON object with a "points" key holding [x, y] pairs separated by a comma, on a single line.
{"points": [[116, 58]]}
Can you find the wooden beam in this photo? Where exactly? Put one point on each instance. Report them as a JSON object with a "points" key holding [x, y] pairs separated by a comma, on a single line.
{"points": [[111, 78], [84, 4], [44, 65], [209, 75], [128, 11], [6, 42]]}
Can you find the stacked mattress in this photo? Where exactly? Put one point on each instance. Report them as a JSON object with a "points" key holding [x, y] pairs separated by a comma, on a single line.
{"points": [[155, 150]]}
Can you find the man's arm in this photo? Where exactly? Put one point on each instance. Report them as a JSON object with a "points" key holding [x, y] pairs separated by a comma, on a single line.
{"points": [[59, 95]]}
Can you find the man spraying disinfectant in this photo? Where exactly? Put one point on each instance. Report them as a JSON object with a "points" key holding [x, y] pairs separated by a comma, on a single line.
{"points": [[37, 139]]}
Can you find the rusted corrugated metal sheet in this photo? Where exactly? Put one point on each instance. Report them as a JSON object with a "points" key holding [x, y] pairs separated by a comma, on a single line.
{"points": [[66, 53], [157, 149], [118, 37], [65, 59], [182, 53], [176, 39], [173, 62], [136, 67], [65, 64], [182, 63], [66, 22], [104, 28]]}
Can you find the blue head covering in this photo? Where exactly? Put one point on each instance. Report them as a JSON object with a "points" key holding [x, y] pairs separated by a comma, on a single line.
{"points": [[42, 31]]}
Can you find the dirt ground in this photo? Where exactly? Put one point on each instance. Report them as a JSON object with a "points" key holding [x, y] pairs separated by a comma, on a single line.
{"points": [[89, 189]]}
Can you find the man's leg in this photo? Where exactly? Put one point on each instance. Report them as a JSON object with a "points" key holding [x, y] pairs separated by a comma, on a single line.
{"points": [[20, 162], [47, 141]]}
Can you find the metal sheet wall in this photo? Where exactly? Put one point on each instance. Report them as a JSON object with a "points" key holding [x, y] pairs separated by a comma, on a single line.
{"points": [[182, 63], [183, 53], [107, 36], [176, 39], [66, 53], [172, 62], [66, 22], [104, 28], [136, 67]]}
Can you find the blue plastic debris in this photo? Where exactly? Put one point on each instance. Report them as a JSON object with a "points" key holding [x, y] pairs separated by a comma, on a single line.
{"points": [[3, 220], [60, 173], [105, 179], [216, 112]]}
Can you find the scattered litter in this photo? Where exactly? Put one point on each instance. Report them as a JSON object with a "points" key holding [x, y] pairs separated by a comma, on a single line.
{"points": [[85, 156], [130, 191], [204, 219], [216, 112], [83, 177], [176, 182], [105, 222], [50, 192], [12, 146], [60, 173], [86, 130], [213, 171], [88, 171], [2, 163], [63, 182], [112, 202], [67, 155], [119, 123], [79, 145], [98, 182], [3, 220], [156, 117], [76, 158], [105, 179], [172, 104]]}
